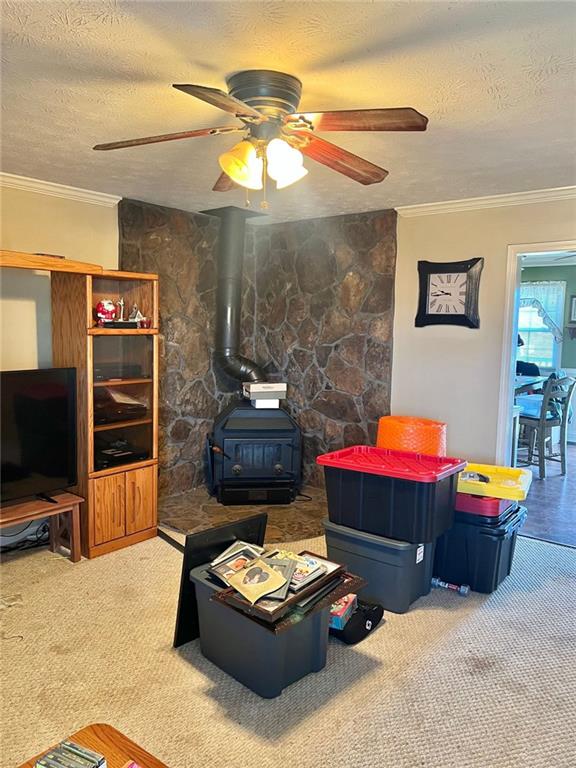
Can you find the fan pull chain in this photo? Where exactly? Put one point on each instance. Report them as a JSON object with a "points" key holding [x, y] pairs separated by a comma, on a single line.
{"points": [[264, 203]]}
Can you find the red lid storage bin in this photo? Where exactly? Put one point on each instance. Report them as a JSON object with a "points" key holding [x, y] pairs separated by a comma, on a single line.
{"points": [[487, 506], [401, 495]]}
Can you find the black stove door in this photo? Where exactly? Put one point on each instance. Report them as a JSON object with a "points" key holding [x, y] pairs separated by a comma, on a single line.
{"points": [[260, 460]]}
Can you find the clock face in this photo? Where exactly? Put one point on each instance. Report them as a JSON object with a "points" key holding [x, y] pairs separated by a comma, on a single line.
{"points": [[447, 293]]}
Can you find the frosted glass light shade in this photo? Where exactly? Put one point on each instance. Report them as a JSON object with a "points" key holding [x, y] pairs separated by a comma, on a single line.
{"points": [[291, 177], [243, 165], [284, 163]]}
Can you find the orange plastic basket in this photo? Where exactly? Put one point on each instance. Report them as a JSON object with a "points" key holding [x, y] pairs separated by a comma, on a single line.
{"points": [[409, 433]]}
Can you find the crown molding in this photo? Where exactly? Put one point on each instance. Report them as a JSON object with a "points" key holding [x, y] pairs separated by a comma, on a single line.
{"points": [[12, 181], [491, 201]]}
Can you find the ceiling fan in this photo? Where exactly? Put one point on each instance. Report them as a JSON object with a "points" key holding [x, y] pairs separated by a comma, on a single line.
{"points": [[277, 135]]}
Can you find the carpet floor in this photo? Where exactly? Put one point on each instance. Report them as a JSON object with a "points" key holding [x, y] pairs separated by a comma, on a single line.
{"points": [[477, 682]]}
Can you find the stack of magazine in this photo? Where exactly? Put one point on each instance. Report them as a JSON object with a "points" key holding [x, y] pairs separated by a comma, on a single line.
{"points": [[271, 583], [68, 754]]}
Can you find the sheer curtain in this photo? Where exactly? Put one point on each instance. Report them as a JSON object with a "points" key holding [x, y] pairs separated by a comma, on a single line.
{"points": [[540, 321]]}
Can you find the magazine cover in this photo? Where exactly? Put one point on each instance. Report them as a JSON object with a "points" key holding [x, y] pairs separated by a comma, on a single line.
{"points": [[305, 568], [286, 554], [234, 548], [226, 568], [257, 580]]}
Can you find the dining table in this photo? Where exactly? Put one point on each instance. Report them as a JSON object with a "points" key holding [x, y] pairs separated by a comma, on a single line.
{"points": [[526, 383]]}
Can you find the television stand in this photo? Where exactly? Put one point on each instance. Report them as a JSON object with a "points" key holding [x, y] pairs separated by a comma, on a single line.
{"points": [[55, 509]]}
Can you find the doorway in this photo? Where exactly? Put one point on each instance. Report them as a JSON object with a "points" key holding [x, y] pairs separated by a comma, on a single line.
{"points": [[539, 344]]}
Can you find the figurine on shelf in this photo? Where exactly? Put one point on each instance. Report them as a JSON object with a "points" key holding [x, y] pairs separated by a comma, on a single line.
{"points": [[136, 314], [120, 305], [105, 311]]}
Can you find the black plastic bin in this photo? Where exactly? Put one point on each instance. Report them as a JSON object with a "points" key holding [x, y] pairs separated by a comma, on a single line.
{"points": [[258, 657], [405, 496], [397, 572], [478, 553]]}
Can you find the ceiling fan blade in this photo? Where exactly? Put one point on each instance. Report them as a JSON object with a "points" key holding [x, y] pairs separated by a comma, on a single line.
{"points": [[170, 137], [339, 159], [223, 101], [397, 119], [223, 184]]}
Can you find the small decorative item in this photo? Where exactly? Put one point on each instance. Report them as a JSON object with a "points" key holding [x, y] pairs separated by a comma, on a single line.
{"points": [[449, 293], [105, 311], [120, 305], [572, 315], [146, 322], [136, 314]]}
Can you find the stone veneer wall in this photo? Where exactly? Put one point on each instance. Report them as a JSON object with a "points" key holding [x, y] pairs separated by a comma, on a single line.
{"points": [[324, 316], [182, 248], [317, 312]]}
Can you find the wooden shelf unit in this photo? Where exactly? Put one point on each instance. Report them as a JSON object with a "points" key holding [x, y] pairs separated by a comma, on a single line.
{"points": [[121, 501], [45, 262]]}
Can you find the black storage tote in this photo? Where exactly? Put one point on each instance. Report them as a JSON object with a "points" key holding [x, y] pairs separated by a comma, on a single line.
{"points": [[478, 552], [405, 496], [259, 658]]}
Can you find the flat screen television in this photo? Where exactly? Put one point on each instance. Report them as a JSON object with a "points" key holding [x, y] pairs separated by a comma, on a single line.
{"points": [[38, 432]]}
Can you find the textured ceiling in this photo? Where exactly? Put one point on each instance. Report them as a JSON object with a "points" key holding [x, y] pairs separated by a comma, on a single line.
{"points": [[496, 80]]}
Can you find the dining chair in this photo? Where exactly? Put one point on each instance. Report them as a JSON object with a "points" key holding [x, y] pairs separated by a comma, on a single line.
{"points": [[540, 413]]}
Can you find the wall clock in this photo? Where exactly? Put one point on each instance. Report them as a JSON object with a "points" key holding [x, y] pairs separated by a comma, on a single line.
{"points": [[449, 293]]}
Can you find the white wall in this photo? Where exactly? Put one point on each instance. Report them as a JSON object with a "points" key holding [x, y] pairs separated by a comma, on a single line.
{"points": [[37, 221], [451, 373]]}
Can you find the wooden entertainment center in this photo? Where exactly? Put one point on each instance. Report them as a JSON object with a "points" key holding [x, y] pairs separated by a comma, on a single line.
{"points": [[113, 365]]}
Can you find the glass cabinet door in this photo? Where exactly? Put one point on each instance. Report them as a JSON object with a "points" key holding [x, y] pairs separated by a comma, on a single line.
{"points": [[122, 399]]}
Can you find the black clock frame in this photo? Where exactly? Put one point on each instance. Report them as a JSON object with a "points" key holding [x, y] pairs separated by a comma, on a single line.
{"points": [[470, 318]]}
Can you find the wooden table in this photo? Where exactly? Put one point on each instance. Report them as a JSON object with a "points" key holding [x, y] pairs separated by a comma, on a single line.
{"points": [[526, 382], [116, 748], [66, 504]]}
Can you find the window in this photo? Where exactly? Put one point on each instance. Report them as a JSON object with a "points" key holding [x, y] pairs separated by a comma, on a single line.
{"points": [[536, 323]]}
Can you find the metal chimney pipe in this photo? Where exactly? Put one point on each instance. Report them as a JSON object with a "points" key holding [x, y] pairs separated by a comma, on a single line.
{"points": [[229, 295]]}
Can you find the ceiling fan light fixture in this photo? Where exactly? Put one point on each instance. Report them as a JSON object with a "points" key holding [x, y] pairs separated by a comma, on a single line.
{"points": [[291, 177], [242, 165], [284, 163]]}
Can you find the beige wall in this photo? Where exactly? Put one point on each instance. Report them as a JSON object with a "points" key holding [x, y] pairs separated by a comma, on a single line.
{"points": [[451, 373], [36, 222]]}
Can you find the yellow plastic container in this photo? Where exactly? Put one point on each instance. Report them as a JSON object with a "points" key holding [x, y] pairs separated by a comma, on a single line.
{"points": [[505, 482]]}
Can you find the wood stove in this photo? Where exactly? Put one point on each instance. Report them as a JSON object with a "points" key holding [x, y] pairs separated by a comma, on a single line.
{"points": [[254, 453], [254, 456]]}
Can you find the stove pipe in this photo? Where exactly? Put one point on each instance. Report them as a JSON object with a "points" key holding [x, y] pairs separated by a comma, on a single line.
{"points": [[229, 295]]}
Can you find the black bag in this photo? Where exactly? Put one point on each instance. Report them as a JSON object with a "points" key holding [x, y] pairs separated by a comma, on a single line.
{"points": [[364, 620]]}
